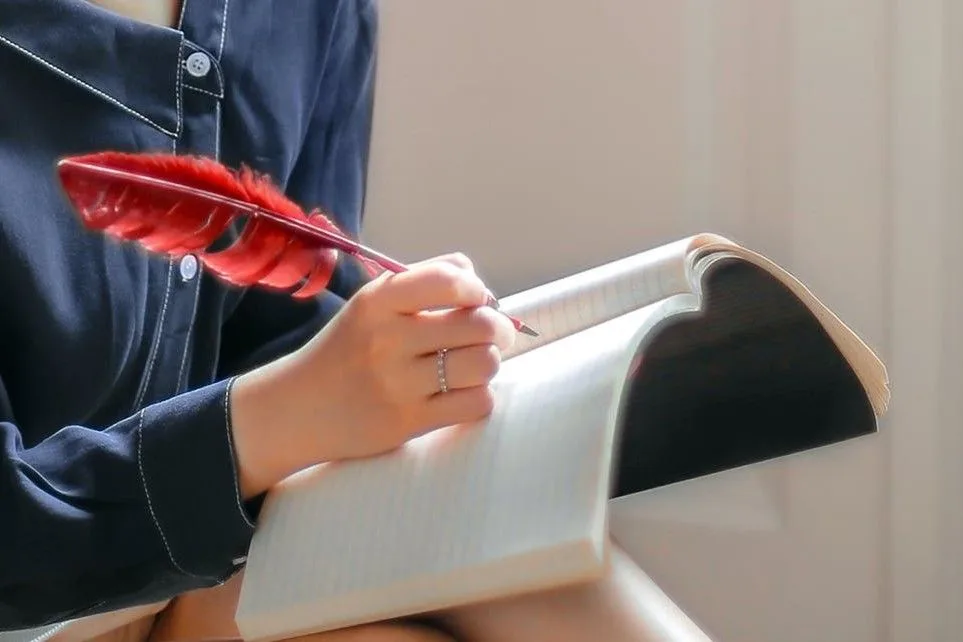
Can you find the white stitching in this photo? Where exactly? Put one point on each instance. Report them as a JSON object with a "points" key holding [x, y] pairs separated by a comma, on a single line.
{"points": [[215, 66], [223, 85], [180, 18], [148, 375], [190, 329], [102, 94], [150, 504], [230, 442], [179, 73], [220, 76], [217, 130], [220, 46], [202, 91], [157, 335]]}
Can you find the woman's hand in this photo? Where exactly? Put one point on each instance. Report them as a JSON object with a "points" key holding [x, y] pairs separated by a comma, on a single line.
{"points": [[369, 381]]}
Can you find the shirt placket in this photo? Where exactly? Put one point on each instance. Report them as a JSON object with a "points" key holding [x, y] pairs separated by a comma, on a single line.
{"points": [[201, 93]]}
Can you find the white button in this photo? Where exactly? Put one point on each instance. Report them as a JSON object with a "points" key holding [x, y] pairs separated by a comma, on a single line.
{"points": [[188, 267], [198, 64]]}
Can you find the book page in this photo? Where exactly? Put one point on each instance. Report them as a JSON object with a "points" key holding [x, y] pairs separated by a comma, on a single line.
{"points": [[469, 512], [582, 300]]}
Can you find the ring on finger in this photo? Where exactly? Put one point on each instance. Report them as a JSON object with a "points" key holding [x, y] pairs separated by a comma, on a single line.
{"points": [[452, 369], [442, 363]]}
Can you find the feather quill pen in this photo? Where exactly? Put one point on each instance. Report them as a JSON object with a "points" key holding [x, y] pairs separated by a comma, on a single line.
{"points": [[179, 205]]}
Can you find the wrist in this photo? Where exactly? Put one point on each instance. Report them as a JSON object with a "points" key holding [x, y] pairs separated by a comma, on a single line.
{"points": [[266, 435]]}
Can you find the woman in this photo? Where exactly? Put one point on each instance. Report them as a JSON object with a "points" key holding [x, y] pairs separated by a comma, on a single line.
{"points": [[144, 406]]}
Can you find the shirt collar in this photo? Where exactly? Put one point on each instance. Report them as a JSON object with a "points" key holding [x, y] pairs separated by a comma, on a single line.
{"points": [[133, 65]]}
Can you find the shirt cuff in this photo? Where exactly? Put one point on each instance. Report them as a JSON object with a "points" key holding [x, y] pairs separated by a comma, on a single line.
{"points": [[188, 468]]}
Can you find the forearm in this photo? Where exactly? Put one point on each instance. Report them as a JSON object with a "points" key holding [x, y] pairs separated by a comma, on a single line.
{"points": [[624, 606]]}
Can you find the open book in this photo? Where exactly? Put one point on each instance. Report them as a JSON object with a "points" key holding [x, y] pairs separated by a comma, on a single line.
{"points": [[685, 360]]}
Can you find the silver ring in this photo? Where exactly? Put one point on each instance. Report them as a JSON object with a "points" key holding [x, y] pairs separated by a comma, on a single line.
{"points": [[442, 371]]}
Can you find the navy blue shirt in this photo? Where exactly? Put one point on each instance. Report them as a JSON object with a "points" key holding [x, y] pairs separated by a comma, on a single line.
{"points": [[118, 481]]}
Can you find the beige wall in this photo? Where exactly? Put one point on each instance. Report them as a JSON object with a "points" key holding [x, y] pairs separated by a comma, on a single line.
{"points": [[543, 136]]}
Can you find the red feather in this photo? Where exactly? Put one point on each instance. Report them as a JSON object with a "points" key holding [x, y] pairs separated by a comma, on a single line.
{"points": [[182, 204]]}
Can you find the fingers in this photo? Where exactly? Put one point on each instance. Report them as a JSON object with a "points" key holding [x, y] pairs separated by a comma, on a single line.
{"points": [[459, 328], [398, 324], [462, 369], [460, 406], [438, 283], [457, 259]]}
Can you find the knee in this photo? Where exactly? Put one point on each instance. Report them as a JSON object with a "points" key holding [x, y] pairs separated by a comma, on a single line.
{"points": [[382, 632]]}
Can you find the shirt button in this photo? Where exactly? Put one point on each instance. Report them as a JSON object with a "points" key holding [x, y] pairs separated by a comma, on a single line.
{"points": [[198, 64], [188, 267]]}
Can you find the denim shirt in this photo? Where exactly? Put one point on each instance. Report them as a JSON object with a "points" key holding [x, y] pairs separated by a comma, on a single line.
{"points": [[118, 480]]}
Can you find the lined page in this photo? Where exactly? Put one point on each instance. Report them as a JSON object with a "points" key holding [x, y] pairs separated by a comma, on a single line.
{"points": [[402, 533], [566, 306]]}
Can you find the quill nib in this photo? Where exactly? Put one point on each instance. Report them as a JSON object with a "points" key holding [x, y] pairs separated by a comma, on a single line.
{"points": [[526, 329], [520, 325]]}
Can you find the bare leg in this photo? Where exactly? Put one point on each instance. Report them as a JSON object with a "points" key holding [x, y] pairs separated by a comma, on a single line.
{"points": [[378, 633], [624, 606], [208, 616]]}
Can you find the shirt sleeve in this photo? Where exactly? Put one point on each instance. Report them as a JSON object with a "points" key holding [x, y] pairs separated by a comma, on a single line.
{"points": [[110, 522], [149, 507], [330, 174]]}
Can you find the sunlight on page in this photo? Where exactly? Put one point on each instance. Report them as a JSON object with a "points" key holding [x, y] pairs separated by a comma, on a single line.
{"points": [[457, 503], [579, 301]]}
